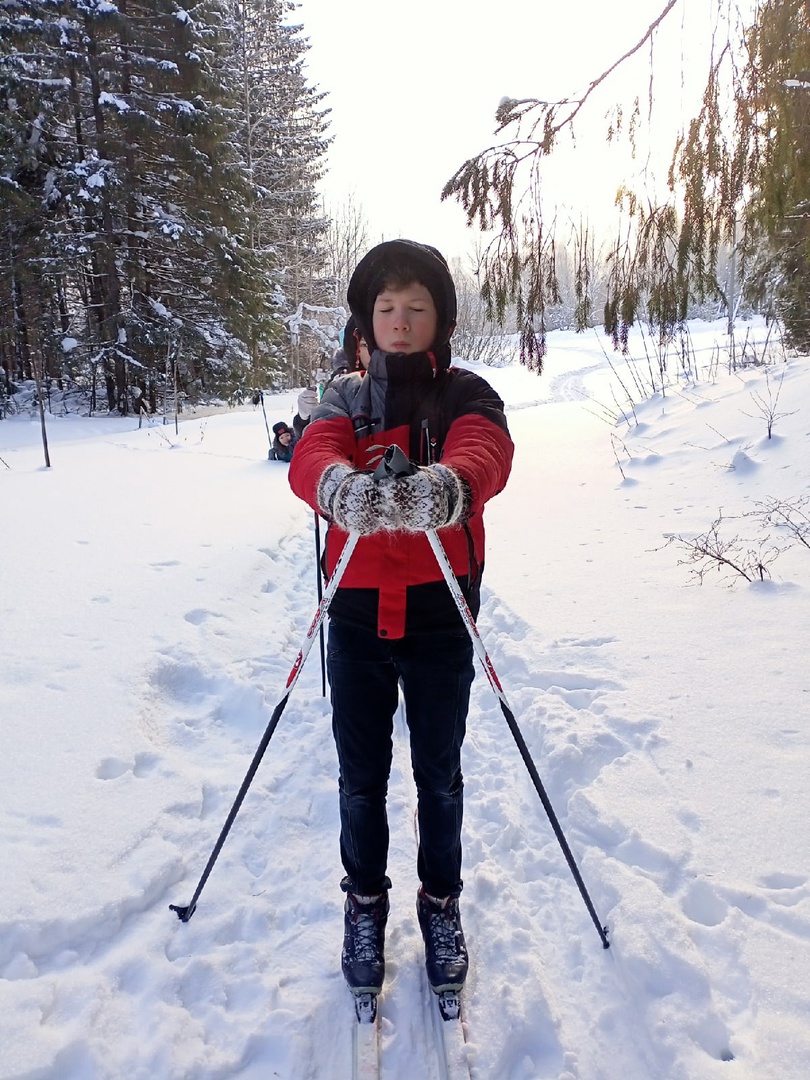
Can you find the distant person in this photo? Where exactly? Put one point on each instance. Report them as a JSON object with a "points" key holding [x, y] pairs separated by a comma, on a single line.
{"points": [[284, 442], [363, 356], [359, 351], [352, 355], [343, 359]]}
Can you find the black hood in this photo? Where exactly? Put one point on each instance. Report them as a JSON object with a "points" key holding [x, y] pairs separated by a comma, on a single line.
{"points": [[428, 267]]}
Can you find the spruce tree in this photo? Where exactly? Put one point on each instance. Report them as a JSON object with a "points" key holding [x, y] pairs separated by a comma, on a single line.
{"points": [[284, 143], [778, 162], [127, 211]]}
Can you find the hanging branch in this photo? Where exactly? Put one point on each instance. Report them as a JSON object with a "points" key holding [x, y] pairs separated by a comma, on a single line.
{"points": [[519, 263]]}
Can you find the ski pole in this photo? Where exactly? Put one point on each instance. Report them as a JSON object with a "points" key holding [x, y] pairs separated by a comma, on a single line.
{"points": [[269, 439], [394, 464], [184, 913], [319, 572], [494, 682]]}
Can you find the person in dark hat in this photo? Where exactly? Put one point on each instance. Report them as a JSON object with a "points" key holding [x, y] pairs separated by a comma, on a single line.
{"points": [[393, 620], [345, 359], [284, 442], [352, 355]]}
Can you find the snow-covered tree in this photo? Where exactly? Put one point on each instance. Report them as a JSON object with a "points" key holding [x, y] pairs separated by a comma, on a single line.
{"points": [[134, 222], [346, 241], [282, 139]]}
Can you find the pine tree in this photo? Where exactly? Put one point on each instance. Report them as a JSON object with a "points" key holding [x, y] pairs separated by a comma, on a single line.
{"points": [[778, 161], [126, 245], [285, 142]]}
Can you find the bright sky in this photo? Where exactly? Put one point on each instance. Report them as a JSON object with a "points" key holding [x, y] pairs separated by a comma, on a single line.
{"points": [[413, 91]]}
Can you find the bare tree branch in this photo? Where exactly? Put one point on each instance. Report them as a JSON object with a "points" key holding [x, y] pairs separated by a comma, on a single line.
{"points": [[505, 118]]}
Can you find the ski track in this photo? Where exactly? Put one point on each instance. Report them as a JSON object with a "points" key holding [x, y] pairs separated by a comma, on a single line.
{"points": [[224, 1004]]}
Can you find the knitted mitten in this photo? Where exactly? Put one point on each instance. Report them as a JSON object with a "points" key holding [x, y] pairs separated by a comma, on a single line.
{"points": [[432, 497], [351, 498]]}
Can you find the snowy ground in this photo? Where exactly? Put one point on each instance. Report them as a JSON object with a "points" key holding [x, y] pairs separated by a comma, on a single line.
{"points": [[154, 591]]}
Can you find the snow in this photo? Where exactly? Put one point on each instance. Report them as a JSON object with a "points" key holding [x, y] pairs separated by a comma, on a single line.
{"points": [[114, 100], [154, 591]]}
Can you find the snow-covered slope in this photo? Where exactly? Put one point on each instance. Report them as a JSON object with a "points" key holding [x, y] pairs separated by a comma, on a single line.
{"points": [[154, 591]]}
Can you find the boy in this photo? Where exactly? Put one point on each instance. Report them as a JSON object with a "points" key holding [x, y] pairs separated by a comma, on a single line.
{"points": [[392, 619]]}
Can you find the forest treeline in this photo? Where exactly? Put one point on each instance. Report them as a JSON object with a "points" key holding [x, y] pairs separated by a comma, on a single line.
{"points": [[159, 217], [162, 235]]}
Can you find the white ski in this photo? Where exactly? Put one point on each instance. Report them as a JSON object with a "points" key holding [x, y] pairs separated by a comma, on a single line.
{"points": [[366, 1055], [450, 1036]]}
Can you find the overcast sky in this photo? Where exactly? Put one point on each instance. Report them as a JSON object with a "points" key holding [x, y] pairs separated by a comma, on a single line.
{"points": [[413, 90]]}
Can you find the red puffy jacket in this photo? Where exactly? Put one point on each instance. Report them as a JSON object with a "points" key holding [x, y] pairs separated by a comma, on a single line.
{"points": [[393, 583]]}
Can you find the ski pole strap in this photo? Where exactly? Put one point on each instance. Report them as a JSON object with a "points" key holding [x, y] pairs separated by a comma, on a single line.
{"points": [[509, 716]]}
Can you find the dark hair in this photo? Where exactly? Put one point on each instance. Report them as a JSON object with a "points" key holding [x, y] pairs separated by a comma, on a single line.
{"points": [[400, 277]]}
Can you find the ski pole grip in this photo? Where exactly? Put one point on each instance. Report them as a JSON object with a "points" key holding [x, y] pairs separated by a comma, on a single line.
{"points": [[393, 464]]}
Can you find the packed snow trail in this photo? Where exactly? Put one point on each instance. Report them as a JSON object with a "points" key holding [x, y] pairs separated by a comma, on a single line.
{"points": [[175, 582]]}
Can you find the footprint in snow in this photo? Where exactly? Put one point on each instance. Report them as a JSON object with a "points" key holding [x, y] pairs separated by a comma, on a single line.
{"points": [[584, 643], [702, 904], [197, 616], [782, 881], [112, 768]]}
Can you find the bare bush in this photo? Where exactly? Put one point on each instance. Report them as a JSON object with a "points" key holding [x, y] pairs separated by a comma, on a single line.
{"points": [[767, 405], [477, 339], [789, 516], [730, 557]]}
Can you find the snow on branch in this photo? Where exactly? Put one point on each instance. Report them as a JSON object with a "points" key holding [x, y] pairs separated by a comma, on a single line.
{"points": [[306, 317]]}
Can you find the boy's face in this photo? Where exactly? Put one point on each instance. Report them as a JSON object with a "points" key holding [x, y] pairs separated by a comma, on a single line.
{"points": [[404, 320]]}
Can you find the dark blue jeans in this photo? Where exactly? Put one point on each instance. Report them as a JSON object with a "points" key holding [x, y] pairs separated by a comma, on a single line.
{"points": [[436, 671]]}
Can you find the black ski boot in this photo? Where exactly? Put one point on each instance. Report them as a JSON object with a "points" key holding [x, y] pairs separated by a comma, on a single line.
{"points": [[363, 959], [445, 948]]}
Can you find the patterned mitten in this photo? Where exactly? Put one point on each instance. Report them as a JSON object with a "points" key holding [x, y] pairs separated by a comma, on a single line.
{"points": [[432, 497], [352, 499]]}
